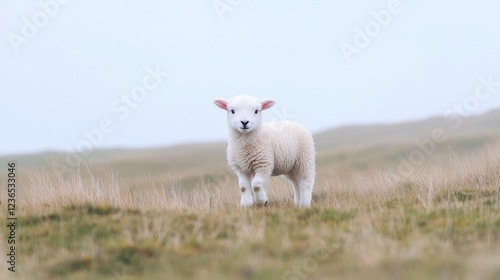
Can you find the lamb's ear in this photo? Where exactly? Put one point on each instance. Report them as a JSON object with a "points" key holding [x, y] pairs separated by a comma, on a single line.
{"points": [[221, 103], [267, 103]]}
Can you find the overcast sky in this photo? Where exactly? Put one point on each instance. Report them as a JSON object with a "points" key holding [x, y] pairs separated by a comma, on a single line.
{"points": [[70, 69]]}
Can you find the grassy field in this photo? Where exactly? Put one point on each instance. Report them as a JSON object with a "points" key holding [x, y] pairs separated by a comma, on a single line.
{"points": [[111, 219]]}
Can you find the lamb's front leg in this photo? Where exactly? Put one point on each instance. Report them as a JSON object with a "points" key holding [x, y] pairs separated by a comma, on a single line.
{"points": [[246, 192], [259, 184]]}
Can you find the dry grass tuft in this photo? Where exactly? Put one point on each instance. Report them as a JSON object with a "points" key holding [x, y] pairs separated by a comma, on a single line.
{"points": [[50, 190]]}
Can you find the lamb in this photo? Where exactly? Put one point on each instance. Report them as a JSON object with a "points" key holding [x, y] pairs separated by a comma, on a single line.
{"points": [[256, 151]]}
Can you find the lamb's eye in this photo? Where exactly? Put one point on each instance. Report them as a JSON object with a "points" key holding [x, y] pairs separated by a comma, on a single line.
{"points": [[256, 112], [232, 111]]}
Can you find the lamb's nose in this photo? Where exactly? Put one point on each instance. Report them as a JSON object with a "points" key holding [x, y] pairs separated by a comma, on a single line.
{"points": [[244, 123]]}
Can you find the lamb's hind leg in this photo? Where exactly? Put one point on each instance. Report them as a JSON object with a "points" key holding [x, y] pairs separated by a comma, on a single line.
{"points": [[296, 189], [305, 188]]}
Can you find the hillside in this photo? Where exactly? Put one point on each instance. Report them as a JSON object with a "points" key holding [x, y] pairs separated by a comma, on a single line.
{"points": [[343, 149]]}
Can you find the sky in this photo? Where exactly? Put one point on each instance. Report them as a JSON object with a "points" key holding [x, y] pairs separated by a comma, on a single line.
{"points": [[78, 75]]}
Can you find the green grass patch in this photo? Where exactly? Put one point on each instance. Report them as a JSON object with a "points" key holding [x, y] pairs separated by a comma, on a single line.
{"points": [[267, 243]]}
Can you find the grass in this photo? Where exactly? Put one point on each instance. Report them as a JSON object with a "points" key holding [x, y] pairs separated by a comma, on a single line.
{"points": [[440, 222]]}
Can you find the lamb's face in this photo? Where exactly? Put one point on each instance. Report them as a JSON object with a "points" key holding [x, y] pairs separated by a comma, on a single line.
{"points": [[244, 113]]}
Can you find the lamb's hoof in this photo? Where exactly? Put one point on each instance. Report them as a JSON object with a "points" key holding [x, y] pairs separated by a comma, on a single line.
{"points": [[260, 205]]}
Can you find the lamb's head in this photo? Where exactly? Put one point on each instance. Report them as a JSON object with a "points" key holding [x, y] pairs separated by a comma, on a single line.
{"points": [[244, 112]]}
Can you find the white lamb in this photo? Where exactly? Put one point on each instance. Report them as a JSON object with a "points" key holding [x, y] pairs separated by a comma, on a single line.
{"points": [[257, 151]]}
